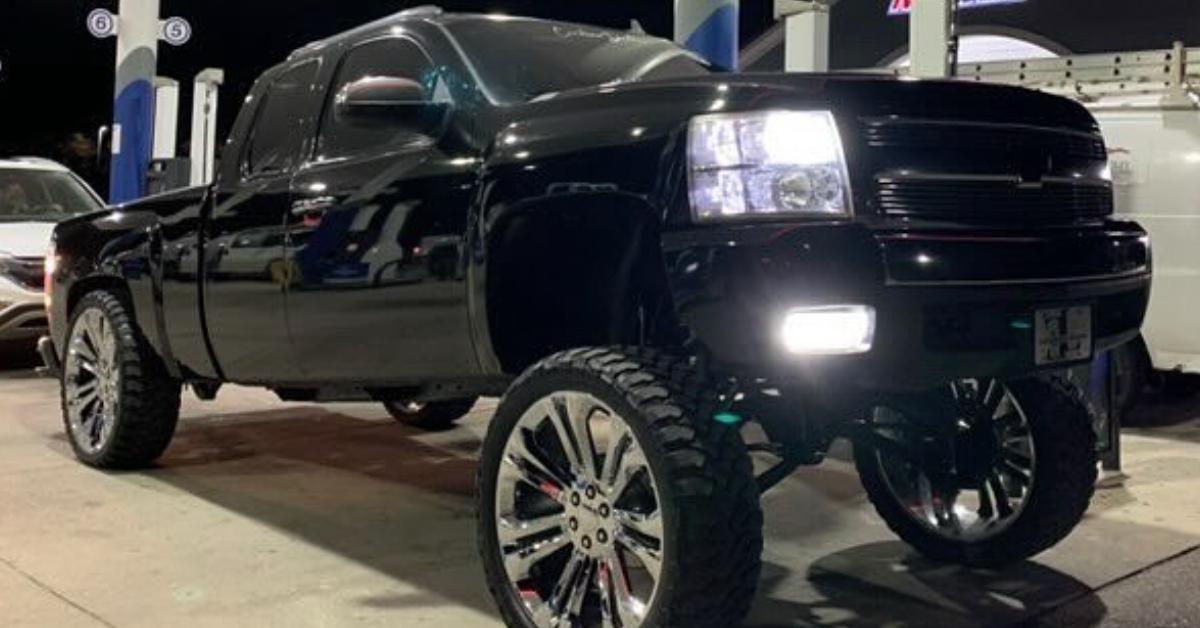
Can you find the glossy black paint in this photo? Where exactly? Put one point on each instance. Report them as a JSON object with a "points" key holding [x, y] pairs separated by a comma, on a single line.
{"points": [[395, 270]]}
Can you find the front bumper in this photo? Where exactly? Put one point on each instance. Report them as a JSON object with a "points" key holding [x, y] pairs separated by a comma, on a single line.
{"points": [[948, 304]]}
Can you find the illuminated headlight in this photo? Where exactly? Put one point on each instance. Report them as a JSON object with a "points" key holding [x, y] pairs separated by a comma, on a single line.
{"points": [[764, 163], [831, 330]]}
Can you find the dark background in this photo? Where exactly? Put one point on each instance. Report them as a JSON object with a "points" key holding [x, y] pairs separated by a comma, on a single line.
{"points": [[56, 80]]}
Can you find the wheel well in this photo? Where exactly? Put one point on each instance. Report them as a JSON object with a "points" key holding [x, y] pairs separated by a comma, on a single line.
{"points": [[587, 274], [82, 287]]}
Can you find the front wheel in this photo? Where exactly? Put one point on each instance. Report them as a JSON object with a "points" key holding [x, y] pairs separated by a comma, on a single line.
{"points": [[984, 473], [610, 496]]}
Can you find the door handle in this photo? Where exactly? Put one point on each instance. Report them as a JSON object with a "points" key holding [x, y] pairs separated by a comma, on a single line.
{"points": [[316, 205]]}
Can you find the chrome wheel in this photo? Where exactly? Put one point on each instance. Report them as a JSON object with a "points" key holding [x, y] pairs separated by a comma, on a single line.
{"points": [[968, 482], [577, 515], [91, 381]]}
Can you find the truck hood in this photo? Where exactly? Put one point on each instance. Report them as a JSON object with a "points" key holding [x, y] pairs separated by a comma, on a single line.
{"points": [[862, 95], [25, 239]]}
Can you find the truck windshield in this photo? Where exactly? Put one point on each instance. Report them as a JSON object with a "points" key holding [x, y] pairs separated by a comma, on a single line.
{"points": [[43, 196], [518, 60]]}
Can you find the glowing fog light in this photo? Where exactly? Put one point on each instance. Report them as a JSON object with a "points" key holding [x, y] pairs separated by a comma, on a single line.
{"points": [[830, 330]]}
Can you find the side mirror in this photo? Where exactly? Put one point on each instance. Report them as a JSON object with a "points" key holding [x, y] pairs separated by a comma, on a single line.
{"points": [[384, 99]]}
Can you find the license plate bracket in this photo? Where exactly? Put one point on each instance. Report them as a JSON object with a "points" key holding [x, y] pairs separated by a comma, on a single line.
{"points": [[1062, 334]]}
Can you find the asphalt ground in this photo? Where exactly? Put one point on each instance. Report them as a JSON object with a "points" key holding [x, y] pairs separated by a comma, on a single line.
{"points": [[265, 513]]}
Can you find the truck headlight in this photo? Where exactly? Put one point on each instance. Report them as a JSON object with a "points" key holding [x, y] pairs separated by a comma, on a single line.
{"points": [[829, 330], [764, 163]]}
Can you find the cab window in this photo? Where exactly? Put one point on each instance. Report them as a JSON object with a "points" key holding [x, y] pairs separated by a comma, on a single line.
{"points": [[277, 139]]}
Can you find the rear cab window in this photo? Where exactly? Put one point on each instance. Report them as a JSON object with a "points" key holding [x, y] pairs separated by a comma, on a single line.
{"points": [[283, 122]]}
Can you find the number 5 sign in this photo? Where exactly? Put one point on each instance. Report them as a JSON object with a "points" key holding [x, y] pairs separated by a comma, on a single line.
{"points": [[175, 31]]}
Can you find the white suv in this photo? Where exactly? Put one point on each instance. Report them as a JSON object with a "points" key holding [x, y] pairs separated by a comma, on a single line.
{"points": [[35, 194]]}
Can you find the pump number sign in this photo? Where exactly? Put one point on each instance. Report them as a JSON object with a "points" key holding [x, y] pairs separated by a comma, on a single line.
{"points": [[102, 23], [904, 7], [175, 31]]}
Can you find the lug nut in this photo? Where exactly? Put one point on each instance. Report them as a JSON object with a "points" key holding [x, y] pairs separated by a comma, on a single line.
{"points": [[573, 523], [587, 543], [591, 493], [575, 499], [605, 511], [602, 537]]}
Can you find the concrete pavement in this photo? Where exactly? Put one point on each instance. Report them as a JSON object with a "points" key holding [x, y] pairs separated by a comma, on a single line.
{"points": [[271, 514]]}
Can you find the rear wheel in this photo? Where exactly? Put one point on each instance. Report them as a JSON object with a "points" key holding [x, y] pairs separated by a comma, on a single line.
{"points": [[986, 473], [120, 407], [609, 496], [430, 415]]}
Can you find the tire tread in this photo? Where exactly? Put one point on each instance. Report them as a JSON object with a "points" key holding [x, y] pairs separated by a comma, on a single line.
{"points": [[1065, 481], [150, 397], [709, 470]]}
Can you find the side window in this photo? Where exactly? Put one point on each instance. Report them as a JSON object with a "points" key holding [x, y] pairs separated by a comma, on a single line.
{"points": [[277, 136], [392, 58]]}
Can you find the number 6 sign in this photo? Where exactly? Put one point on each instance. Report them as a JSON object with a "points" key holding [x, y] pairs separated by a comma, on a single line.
{"points": [[102, 24]]}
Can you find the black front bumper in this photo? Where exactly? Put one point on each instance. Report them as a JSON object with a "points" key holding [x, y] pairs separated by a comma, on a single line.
{"points": [[949, 304]]}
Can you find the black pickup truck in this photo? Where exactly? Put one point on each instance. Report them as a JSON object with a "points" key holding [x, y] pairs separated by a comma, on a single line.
{"points": [[644, 255]]}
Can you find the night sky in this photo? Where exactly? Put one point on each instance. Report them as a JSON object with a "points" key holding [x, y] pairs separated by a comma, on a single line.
{"points": [[57, 80]]}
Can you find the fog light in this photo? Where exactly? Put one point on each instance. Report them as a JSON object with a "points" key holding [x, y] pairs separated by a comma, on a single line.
{"points": [[829, 330]]}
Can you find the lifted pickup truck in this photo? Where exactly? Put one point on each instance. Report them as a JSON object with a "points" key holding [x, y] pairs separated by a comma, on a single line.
{"points": [[644, 255]]}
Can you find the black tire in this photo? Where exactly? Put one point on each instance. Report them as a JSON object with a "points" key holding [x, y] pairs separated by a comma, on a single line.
{"points": [[1064, 481], [708, 496], [148, 398], [433, 415]]}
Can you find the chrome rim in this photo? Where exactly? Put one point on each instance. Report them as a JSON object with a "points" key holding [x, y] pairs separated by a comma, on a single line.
{"points": [[91, 381], [577, 516], [973, 482]]}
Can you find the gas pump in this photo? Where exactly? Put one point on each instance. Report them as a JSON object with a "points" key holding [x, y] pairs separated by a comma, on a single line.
{"points": [[145, 108], [204, 124], [166, 171]]}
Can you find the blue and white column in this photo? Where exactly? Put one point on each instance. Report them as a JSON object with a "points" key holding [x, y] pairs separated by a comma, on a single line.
{"points": [[133, 106], [710, 29]]}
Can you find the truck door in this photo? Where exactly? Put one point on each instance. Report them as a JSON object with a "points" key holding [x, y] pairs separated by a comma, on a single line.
{"points": [[245, 276], [377, 223]]}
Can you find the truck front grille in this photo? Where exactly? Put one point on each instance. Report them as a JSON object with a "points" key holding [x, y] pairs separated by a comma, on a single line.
{"points": [[996, 198], [900, 133], [985, 171]]}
